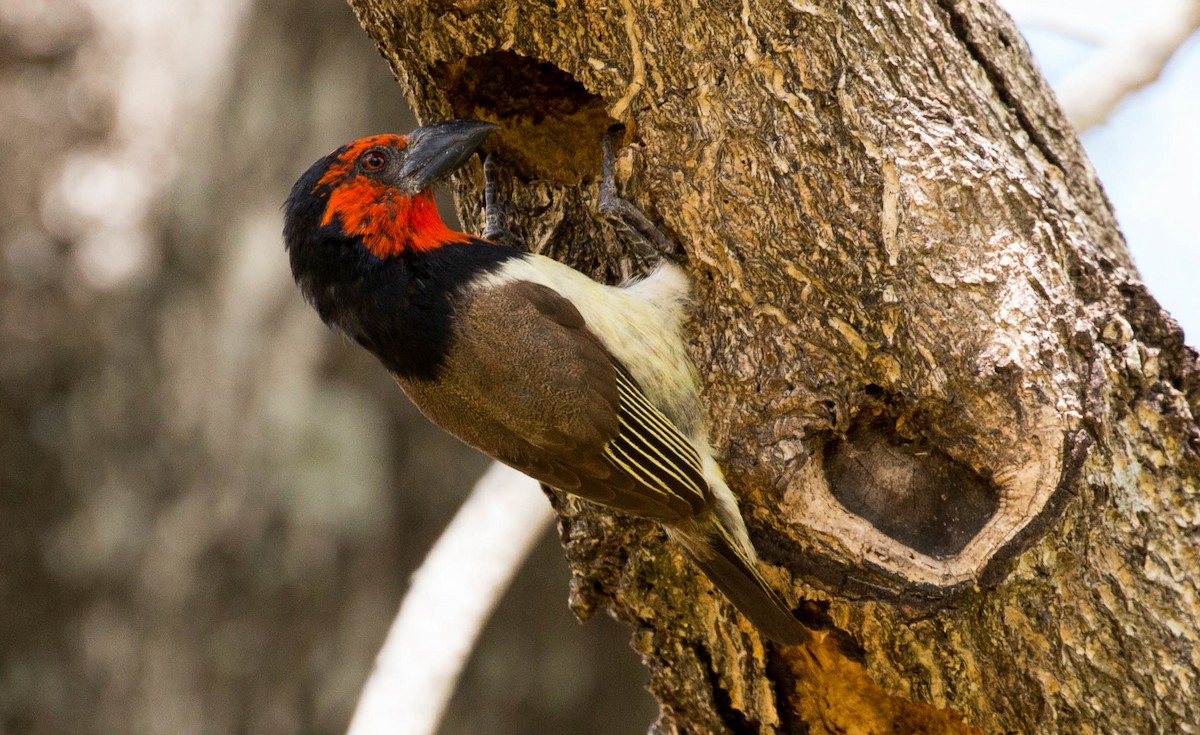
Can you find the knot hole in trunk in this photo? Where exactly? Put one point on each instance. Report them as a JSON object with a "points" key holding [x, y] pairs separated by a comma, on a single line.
{"points": [[907, 488]]}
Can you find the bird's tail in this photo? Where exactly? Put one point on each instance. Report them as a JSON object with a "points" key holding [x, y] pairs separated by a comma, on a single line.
{"points": [[722, 560]]}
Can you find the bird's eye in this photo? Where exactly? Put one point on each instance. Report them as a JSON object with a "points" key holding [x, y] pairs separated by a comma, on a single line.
{"points": [[373, 160]]}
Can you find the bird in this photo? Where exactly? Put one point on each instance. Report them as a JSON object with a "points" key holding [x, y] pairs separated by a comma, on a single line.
{"points": [[585, 387]]}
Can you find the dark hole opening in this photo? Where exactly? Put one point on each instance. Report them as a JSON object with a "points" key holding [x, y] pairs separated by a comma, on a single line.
{"points": [[908, 489], [551, 125]]}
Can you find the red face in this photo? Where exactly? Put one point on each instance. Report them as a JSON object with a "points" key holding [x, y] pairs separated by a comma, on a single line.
{"points": [[369, 200]]}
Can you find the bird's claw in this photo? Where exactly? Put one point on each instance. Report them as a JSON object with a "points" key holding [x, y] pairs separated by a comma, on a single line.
{"points": [[495, 212], [629, 221]]}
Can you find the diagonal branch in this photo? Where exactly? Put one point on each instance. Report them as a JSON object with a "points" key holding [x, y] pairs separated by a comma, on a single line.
{"points": [[1125, 64], [452, 596]]}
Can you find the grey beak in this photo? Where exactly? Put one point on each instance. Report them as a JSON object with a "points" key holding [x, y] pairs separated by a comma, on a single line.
{"points": [[435, 151]]}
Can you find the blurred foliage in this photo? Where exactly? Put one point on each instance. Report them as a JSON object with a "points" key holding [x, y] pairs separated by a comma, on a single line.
{"points": [[209, 507]]}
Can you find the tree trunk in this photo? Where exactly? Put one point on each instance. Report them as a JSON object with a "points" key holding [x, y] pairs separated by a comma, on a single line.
{"points": [[963, 432]]}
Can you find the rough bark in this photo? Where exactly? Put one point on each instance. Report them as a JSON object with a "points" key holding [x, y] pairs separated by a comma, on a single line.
{"points": [[963, 432]]}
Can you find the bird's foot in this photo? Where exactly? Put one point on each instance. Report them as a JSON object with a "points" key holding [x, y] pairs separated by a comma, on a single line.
{"points": [[495, 211], [634, 227]]}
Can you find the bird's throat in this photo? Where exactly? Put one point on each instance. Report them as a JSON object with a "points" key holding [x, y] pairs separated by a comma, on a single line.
{"points": [[387, 222]]}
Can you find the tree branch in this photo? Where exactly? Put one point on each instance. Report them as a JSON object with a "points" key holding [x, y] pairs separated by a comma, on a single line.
{"points": [[452, 596], [1124, 64]]}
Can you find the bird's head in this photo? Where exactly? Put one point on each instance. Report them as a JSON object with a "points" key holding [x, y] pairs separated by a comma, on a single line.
{"points": [[376, 191]]}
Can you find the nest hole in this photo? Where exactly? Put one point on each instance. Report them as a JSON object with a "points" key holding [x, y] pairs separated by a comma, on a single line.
{"points": [[907, 488], [551, 125]]}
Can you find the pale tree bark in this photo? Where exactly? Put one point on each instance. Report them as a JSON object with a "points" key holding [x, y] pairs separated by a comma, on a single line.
{"points": [[963, 432], [433, 635], [1121, 63]]}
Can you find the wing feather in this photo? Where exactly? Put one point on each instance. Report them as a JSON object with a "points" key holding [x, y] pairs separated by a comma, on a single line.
{"points": [[652, 449], [527, 382]]}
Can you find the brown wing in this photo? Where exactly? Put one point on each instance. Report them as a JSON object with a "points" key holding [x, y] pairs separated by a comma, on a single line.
{"points": [[527, 383]]}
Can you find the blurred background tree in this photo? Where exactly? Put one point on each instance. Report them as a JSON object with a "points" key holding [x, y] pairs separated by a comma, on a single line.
{"points": [[209, 507]]}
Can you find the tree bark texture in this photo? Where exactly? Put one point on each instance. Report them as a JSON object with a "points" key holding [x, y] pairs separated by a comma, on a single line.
{"points": [[962, 431]]}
